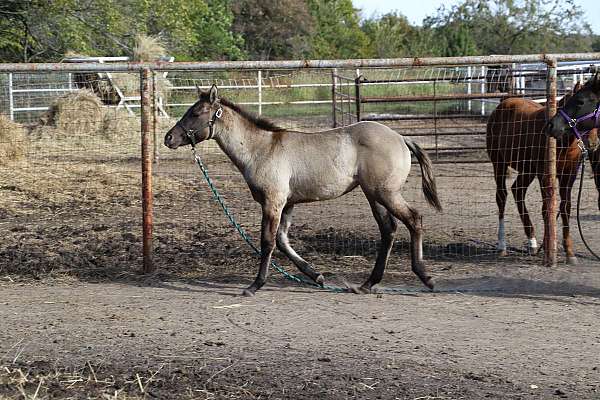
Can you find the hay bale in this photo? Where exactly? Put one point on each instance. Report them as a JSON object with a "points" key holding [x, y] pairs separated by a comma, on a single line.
{"points": [[13, 139], [77, 113]]}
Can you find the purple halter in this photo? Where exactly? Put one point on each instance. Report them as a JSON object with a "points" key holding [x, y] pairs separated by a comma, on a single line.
{"points": [[574, 121]]}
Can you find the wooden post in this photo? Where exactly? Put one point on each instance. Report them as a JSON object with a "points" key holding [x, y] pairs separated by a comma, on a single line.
{"points": [[145, 92], [333, 96], [550, 186]]}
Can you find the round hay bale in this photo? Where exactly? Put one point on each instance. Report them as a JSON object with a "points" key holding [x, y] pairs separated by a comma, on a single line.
{"points": [[13, 139], [77, 113]]}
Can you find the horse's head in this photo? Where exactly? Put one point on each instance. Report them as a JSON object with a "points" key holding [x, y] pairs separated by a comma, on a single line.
{"points": [[197, 124], [578, 114]]}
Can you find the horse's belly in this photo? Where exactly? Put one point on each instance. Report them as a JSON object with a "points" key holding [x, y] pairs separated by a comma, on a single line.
{"points": [[329, 187]]}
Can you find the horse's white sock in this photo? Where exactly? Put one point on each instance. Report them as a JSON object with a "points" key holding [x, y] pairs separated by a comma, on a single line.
{"points": [[501, 236], [532, 243]]}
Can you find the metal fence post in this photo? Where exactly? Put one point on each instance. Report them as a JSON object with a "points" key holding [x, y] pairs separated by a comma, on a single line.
{"points": [[259, 84], [145, 92], [11, 101], [357, 97], [469, 87], [484, 81], [333, 97], [154, 118], [549, 190]]}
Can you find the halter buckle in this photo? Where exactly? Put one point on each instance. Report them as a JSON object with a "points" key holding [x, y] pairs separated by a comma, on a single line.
{"points": [[219, 113], [572, 123]]}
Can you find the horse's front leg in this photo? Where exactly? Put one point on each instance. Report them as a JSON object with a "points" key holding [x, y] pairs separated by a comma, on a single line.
{"points": [[271, 215], [566, 184]]}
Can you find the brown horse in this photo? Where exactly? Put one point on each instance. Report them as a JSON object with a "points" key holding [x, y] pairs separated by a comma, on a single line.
{"points": [[515, 138], [283, 168]]}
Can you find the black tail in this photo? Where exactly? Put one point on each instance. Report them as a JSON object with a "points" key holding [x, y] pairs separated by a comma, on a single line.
{"points": [[428, 180]]}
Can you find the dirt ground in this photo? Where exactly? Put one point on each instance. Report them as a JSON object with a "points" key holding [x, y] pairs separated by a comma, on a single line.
{"points": [[79, 321]]}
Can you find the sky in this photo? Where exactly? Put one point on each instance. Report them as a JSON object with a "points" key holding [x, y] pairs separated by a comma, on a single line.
{"points": [[416, 10]]}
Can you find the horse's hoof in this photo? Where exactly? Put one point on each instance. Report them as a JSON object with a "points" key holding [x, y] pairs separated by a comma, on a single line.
{"points": [[532, 246], [429, 282], [320, 280], [572, 260], [502, 253], [248, 293], [359, 290], [532, 251]]}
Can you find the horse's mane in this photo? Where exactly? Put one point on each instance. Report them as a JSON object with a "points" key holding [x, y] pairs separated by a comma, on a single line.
{"points": [[259, 122]]}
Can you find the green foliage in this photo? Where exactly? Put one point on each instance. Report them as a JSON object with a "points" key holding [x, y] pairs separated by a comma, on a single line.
{"points": [[45, 30], [274, 29], [511, 27], [338, 33], [391, 35], [596, 43]]}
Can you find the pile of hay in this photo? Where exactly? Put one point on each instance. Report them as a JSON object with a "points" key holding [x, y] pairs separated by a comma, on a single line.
{"points": [[82, 114], [13, 139], [78, 113]]}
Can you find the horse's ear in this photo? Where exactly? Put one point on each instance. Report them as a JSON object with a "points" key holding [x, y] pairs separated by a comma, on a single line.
{"points": [[212, 94], [198, 90]]}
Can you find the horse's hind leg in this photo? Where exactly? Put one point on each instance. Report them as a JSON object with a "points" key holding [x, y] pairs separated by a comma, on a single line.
{"points": [[519, 190], [411, 218], [283, 244], [387, 227], [500, 172], [565, 185]]}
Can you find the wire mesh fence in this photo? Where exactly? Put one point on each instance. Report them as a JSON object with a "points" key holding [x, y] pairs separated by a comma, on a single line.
{"points": [[70, 182]]}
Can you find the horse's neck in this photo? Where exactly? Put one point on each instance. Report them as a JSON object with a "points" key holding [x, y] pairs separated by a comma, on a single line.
{"points": [[240, 140]]}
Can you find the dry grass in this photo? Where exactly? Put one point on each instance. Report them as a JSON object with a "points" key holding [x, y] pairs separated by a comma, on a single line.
{"points": [[148, 48], [21, 383], [13, 139]]}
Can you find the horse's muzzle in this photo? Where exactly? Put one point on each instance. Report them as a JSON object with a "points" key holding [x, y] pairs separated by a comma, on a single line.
{"points": [[169, 142]]}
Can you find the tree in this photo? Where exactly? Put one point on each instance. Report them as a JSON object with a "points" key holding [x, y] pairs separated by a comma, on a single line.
{"points": [[596, 43], [511, 26], [191, 29], [338, 33], [391, 35], [44, 30], [274, 29]]}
